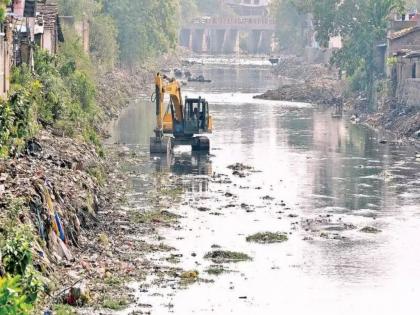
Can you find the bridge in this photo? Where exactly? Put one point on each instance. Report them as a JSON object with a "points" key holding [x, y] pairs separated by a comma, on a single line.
{"points": [[227, 35]]}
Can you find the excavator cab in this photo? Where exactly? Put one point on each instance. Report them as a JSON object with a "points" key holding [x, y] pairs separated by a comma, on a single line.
{"points": [[197, 117]]}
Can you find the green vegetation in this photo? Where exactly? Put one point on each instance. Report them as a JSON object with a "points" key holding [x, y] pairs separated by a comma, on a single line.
{"points": [[362, 24], [60, 92], [370, 229], [12, 298], [216, 270], [220, 256], [3, 4], [115, 303], [154, 216], [290, 25], [126, 31], [267, 238], [99, 173], [20, 285], [60, 309]]}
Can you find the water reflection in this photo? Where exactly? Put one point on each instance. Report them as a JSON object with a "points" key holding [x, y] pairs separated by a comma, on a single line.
{"points": [[197, 166]]}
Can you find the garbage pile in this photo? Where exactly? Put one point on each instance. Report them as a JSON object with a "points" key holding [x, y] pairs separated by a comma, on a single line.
{"points": [[323, 94], [300, 82], [54, 178], [116, 89]]}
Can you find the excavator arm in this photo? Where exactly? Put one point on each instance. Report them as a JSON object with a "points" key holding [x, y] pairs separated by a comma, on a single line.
{"points": [[173, 89]]}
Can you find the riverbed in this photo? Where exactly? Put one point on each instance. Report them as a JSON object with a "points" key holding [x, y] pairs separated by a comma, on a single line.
{"points": [[320, 180]]}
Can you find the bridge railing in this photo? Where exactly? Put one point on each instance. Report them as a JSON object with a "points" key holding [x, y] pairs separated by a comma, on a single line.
{"points": [[233, 21]]}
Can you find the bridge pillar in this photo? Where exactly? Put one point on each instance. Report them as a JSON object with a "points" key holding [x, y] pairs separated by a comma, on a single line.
{"points": [[198, 40], [185, 38], [266, 42], [217, 40], [253, 42], [231, 45]]}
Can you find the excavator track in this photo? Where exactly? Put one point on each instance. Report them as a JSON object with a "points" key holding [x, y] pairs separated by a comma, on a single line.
{"points": [[200, 144]]}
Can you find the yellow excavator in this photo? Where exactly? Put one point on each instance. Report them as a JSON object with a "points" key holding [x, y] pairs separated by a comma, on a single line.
{"points": [[181, 123]]}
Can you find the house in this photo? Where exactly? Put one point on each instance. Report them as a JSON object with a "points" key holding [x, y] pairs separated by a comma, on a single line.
{"points": [[47, 29], [28, 22], [403, 59], [405, 39], [406, 78]]}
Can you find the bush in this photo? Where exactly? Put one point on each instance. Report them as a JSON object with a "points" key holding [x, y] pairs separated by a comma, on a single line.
{"points": [[20, 286], [16, 251], [18, 118], [12, 298], [60, 93]]}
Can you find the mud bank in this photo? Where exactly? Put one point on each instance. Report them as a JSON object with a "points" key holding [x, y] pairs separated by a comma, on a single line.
{"points": [[300, 82], [66, 187], [318, 84]]}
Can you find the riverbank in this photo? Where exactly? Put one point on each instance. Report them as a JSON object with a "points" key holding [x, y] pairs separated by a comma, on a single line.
{"points": [[60, 187], [318, 84]]}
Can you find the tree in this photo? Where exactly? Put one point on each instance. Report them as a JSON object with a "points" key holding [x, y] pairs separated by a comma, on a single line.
{"points": [[290, 25], [79, 8], [362, 24], [189, 10], [145, 28], [104, 47], [3, 4]]}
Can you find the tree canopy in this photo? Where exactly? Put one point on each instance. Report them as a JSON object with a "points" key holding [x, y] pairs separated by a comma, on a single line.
{"points": [[362, 25]]}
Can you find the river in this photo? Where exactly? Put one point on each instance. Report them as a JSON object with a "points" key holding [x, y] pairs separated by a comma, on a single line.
{"points": [[317, 178]]}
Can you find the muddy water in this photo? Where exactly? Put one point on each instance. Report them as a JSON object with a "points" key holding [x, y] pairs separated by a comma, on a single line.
{"points": [[323, 180]]}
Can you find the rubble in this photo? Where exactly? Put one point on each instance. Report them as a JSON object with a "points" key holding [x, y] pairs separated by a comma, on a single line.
{"points": [[402, 122]]}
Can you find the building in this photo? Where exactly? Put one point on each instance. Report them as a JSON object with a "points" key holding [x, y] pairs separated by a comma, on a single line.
{"points": [[402, 58], [47, 29], [405, 78], [404, 40]]}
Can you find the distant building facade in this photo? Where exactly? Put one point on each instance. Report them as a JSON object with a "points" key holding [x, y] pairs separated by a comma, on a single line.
{"points": [[403, 57]]}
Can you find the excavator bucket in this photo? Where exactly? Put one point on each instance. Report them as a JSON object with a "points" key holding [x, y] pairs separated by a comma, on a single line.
{"points": [[160, 145]]}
